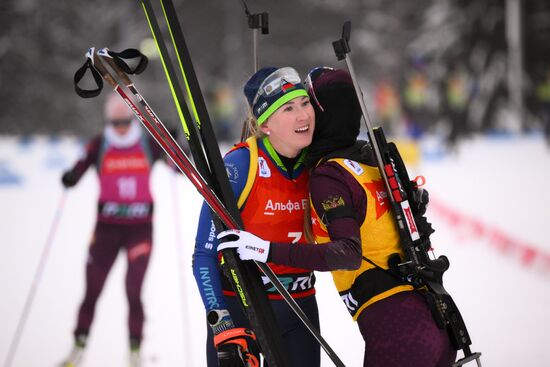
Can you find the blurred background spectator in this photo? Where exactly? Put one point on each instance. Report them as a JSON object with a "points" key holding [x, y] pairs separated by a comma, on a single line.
{"points": [[452, 66], [542, 101], [457, 91]]}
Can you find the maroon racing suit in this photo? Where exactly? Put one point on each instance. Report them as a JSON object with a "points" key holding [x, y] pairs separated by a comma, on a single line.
{"points": [[124, 220], [398, 330]]}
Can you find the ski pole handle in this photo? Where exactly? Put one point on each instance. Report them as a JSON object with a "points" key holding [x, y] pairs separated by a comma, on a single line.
{"points": [[257, 22], [341, 47]]}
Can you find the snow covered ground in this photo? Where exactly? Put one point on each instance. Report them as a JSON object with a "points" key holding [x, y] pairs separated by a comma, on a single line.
{"points": [[488, 208]]}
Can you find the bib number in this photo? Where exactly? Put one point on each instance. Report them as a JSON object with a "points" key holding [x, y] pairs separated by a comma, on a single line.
{"points": [[296, 236]]}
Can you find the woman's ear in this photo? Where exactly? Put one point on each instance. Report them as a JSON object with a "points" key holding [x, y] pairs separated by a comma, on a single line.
{"points": [[264, 128]]}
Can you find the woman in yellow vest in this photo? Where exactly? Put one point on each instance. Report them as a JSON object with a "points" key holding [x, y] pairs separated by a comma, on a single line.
{"points": [[355, 236]]}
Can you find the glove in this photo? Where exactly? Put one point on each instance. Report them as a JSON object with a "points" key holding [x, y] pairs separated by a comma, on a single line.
{"points": [[419, 204], [235, 348], [421, 198], [424, 227], [249, 246], [69, 178]]}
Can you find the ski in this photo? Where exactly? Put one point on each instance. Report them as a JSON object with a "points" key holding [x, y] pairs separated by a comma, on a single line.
{"points": [[244, 277], [214, 158], [419, 269]]}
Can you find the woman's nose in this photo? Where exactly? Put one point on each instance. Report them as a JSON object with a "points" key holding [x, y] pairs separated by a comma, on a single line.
{"points": [[304, 113]]}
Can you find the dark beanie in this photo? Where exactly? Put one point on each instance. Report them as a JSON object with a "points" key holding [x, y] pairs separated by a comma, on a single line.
{"points": [[337, 112], [276, 87]]}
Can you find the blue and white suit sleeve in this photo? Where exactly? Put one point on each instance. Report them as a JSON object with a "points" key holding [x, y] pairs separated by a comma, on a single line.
{"points": [[205, 258]]}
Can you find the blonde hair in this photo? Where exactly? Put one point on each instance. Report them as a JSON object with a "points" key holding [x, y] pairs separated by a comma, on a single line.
{"points": [[251, 123], [308, 227]]}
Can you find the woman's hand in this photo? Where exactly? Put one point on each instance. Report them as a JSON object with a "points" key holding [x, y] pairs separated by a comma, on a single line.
{"points": [[248, 246]]}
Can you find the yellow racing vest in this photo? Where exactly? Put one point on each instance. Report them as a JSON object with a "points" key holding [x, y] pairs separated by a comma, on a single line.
{"points": [[379, 239]]}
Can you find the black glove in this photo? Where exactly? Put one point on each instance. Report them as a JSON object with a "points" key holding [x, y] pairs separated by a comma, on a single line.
{"points": [[237, 348], [420, 199], [69, 178], [424, 227]]}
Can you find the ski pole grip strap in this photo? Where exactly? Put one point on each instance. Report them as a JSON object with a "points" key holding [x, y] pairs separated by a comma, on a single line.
{"points": [[129, 54], [87, 93]]}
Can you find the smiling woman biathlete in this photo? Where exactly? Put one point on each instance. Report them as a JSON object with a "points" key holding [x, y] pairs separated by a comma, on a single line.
{"points": [[355, 236], [268, 177]]}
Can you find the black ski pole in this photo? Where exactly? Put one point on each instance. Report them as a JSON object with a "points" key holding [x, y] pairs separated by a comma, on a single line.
{"points": [[215, 159], [256, 22], [428, 272]]}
